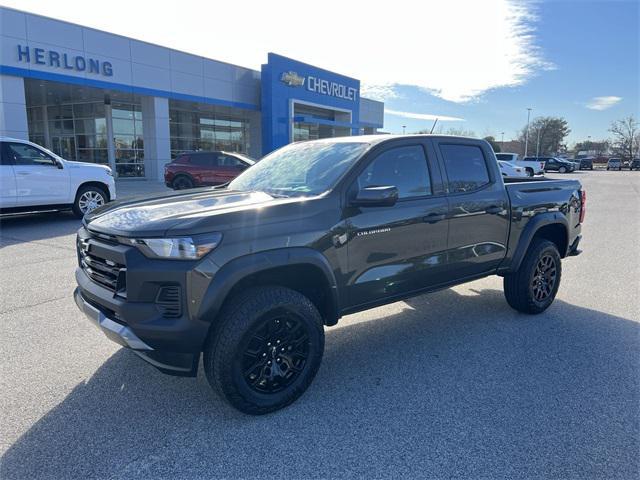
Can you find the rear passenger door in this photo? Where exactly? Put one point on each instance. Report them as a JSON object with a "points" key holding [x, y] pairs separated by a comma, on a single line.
{"points": [[397, 249], [479, 208]]}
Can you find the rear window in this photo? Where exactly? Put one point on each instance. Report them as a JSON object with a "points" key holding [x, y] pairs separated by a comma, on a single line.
{"points": [[466, 167], [507, 157]]}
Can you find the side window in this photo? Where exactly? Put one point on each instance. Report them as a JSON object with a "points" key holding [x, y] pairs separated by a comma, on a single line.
{"points": [[229, 161], [403, 167], [204, 160], [466, 167], [22, 154], [4, 158]]}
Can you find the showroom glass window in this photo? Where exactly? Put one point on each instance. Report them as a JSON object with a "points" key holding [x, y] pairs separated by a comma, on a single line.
{"points": [[466, 167], [195, 127]]}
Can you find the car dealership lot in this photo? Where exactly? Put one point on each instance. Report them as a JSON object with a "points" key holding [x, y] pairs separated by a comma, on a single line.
{"points": [[452, 384]]}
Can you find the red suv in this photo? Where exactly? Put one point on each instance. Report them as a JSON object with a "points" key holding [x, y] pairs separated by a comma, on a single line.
{"points": [[197, 169]]}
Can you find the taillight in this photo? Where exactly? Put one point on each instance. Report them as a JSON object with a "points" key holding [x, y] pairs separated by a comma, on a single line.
{"points": [[583, 205]]}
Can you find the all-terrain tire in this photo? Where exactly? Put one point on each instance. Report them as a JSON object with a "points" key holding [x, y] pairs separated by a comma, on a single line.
{"points": [[520, 287], [243, 328]]}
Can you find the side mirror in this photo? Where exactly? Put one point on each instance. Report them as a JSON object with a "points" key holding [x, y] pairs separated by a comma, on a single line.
{"points": [[59, 164], [382, 196]]}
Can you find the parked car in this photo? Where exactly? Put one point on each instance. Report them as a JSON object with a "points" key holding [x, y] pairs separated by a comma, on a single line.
{"points": [[635, 164], [248, 275], [554, 164], [33, 178], [614, 164], [509, 170], [532, 167], [586, 163], [198, 169]]}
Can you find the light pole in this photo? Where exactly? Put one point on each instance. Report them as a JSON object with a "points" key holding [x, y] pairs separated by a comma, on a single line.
{"points": [[526, 136], [538, 144], [501, 140], [403, 128]]}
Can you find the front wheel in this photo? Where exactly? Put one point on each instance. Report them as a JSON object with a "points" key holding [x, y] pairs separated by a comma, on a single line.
{"points": [[562, 170], [88, 199], [182, 182], [533, 287], [266, 349]]}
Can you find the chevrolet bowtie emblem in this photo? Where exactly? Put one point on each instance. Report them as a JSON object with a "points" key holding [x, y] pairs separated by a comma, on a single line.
{"points": [[292, 79]]}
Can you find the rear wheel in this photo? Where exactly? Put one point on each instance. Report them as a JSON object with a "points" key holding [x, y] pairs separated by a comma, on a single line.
{"points": [[562, 170], [88, 199], [182, 182], [266, 349], [534, 286], [530, 172]]}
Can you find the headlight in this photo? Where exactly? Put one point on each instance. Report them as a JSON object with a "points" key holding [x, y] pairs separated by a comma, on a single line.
{"points": [[179, 248]]}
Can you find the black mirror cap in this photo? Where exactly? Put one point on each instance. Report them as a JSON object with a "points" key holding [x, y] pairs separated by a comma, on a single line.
{"points": [[377, 196]]}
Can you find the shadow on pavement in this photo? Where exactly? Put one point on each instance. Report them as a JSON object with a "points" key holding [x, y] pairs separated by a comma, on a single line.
{"points": [[452, 386], [36, 226]]}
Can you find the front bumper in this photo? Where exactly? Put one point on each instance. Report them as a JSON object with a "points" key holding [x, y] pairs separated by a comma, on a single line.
{"points": [[179, 364]]}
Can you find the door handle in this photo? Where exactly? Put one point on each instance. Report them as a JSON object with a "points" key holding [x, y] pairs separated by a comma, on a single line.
{"points": [[434, 217], [493, 209]]}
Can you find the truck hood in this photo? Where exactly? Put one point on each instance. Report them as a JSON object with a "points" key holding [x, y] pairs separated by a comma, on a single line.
{"points": [[177, 213]]}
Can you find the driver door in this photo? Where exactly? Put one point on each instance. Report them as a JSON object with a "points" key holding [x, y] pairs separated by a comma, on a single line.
{"points": [[39, 180], [394, 250]]}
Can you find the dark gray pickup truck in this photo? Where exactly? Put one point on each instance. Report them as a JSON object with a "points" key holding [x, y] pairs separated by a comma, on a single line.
{"points": [[250, 273]]}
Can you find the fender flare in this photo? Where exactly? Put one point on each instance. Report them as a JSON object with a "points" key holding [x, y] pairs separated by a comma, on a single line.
{"points": [[235, 270], [530, 230]]}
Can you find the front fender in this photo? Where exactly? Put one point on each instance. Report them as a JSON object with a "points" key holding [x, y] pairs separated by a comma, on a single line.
{"points": [[226, 277]]}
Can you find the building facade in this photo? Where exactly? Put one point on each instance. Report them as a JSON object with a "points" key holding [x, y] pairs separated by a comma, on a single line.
{"points": [[94, 96]]}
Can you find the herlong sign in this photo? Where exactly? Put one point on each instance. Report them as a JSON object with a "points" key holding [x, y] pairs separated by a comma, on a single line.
{"points": [[64, 61]]}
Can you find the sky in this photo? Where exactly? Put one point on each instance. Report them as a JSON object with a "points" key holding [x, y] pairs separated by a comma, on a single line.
{"points": [[474, 65]]}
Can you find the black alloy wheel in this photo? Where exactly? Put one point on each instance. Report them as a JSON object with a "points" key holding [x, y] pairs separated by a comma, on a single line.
{"points": [[275, 354], [544, 278]]}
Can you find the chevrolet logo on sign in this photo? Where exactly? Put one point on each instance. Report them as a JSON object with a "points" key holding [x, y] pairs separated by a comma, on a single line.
{"points": [[292, 79]]}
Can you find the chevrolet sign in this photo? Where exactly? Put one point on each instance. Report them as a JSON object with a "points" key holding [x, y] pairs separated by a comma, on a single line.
{"points": [[319, 85], [292, 79]]}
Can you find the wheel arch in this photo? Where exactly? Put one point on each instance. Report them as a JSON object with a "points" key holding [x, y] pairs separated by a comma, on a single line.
{"points": [[301, 269], [550, 226], [93, 183]]}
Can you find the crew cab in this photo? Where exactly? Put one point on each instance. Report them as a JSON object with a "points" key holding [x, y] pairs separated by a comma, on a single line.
{"points": [[247, 275], [33, 178]]}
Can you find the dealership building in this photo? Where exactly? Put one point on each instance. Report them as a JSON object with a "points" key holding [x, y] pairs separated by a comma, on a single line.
{"points": [[94, 96]]}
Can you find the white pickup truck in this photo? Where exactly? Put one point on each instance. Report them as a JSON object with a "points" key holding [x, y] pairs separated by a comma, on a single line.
{"points": [[531, 166], [33, 178]]}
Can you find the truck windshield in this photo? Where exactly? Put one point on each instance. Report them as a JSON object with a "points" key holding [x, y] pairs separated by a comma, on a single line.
{"points": [[300, 169]]}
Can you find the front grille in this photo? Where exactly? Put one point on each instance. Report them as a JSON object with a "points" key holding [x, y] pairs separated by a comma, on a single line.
{"points": [[105, 272], [168, 301]]}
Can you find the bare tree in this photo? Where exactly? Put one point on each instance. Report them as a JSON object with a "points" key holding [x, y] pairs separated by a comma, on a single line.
{"points": [[626, 137]]}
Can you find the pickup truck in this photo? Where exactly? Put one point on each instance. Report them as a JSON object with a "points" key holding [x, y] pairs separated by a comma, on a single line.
{"points": [[249, 273], [33, 178], [531, 165]]}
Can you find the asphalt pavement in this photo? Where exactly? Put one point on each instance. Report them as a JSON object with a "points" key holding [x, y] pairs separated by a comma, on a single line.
{"points": [[453, 384]]}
